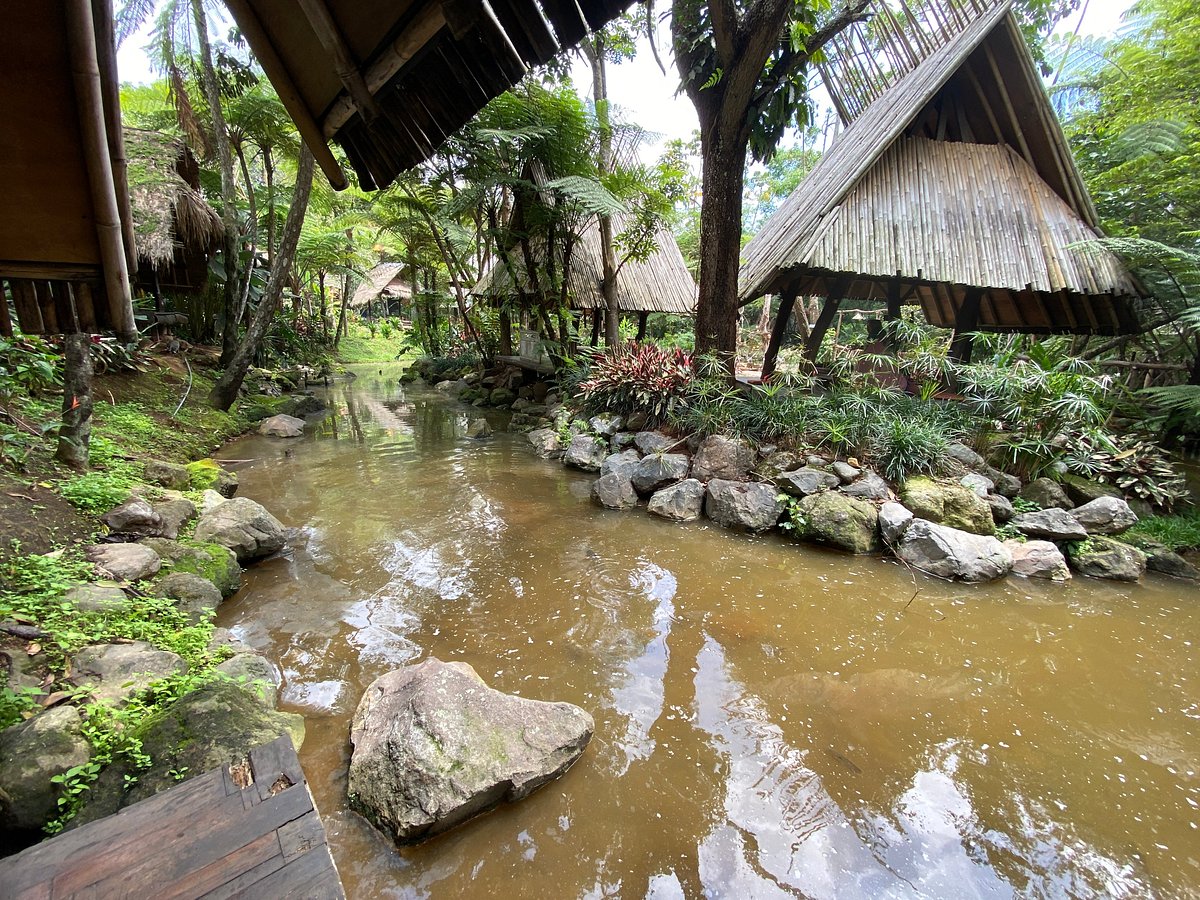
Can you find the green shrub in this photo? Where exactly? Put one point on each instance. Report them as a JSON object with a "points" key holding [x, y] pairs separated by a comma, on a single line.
{"points": [[96, 492], [642, 378]]}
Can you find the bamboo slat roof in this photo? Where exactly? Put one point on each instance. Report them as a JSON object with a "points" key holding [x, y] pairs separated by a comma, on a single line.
{"points": [[384, 278], [953, 175], [390, 80], [661, 283]]}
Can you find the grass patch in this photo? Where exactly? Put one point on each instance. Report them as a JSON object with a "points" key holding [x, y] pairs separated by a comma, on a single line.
{"points": [[1176, 533], [358, 345]]}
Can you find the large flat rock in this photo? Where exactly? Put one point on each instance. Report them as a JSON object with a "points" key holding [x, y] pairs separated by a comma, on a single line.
{"points": [[435, 746]]}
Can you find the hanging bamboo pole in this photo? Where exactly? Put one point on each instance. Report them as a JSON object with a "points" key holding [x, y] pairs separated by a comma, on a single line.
{"points": [[85, 71]]}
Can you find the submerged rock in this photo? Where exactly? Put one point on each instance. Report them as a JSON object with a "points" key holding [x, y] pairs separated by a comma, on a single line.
{"points": [[282, 426], [658, 470], [124, 562], [545, 442], [1053, 524], [1047, 494], [245, 527], [479, 429], [1101, 557], [746, 505], [1105, 515], [586, 452], [836, 520], [721, 457], [434, 746], [31, 754], [1038, 559], [952, 553], [682, 502], [951, 505], [614, 491], [118, 671]]}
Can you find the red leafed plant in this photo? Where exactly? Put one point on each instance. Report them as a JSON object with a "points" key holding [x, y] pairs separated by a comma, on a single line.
{"points": [[641, 378]]}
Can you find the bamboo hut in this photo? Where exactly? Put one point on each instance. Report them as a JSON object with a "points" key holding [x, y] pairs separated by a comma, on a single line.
{"points": [[175, 230], [66, 228], [952, 187], [390, 81], [384, 292]]}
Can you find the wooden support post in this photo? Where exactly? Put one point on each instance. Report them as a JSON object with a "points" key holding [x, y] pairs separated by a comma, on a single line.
{"points": [[825, 319], [893, 308], [345, 66], [596, 321], [787, 300], [643, 316], [965, 321]]}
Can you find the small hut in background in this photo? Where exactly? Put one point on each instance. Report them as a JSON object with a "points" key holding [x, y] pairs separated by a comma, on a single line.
{"points": [[660, 283], [175, 230], [952, 187], [385, 292]]}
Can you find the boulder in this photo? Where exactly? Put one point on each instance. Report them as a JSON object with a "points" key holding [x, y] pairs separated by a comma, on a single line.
{"points": [[135, 516], [586, 452], [212, 561], [637, 421], [97, 596], [746, 505], [1166, 562], [980, 484], [845, 472], [118, 671], [167, 474], [210, 500], [832, 518], [282, 426], [623, 440], [725, 458], [257, 672], [682, 502], [614, 491], [451, 388], [545, 442], [1038, 559], [623, 463], [502, 396], [301, 405], [778, 462], [206, 475], [194, 596], [1105, 515], [947, 504], [1006, 485], [175, 514], [479, 429], [966, 457], [1047, 494], [653, 442], [952, 553], [805, 481], [31, 754], [1002, 508], [869, 487], [607, 424], [434, 746], [1052, 524], [223, 637], [124, 562], [1102, 557], [243, 526], [894, 520], [816, 461], [1083, 490], [658, 470]]}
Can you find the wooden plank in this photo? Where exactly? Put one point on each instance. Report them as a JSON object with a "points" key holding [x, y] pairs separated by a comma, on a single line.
{"points": [[6, 328], [29, 314]]}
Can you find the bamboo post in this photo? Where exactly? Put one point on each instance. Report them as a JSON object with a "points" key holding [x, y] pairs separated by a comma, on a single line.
{"points": [[344, 64], [106, 55], [786, 301], [85, 72], [965, 321]]}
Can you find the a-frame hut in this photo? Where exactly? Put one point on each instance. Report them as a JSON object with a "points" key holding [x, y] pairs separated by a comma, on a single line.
{"points": [[384, 285], [952, 187]]}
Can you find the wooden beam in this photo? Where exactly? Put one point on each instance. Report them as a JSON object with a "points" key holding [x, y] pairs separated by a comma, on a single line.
{"points": [[828, 310], [268, 57], [1008, 106], [787, 301], [966, 320], [391, 60], [106, 55], [29, 314], [345, 66], [642, 318]]}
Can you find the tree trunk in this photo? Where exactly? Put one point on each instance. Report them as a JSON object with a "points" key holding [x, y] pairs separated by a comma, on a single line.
{"points": [[724, 164], [341, 325], [225, 392], [75, 432], [212, 94], [604, 164]]}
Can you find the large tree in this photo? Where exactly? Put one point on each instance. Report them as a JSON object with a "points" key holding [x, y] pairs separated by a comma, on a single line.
{"points": [[743, 64]]}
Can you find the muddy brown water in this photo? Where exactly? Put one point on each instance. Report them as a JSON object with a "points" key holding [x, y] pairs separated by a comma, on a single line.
{"points": [[771, 720]]}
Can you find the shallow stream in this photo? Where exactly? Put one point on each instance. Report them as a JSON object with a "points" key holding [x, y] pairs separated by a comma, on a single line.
{"points": [[771, 719]]}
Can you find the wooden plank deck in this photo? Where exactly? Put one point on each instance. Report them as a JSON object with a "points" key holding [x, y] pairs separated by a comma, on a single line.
{"points": [[247, 830]]}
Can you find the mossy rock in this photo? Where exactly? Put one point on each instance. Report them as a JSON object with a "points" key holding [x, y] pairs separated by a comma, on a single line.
{"points": [[1102, 557], [832, 518], [1083, 490], [263, 406], [948, 504], [207, 475], [212, 561]]}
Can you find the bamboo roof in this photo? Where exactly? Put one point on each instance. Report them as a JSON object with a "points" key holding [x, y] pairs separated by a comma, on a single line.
{"points": [[952, 176], [385, 278], [660, 283], [390, 80]]}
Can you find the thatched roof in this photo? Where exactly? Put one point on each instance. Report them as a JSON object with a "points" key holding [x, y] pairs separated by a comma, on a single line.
{"points": [[169, 212], [662, 283], [953, 176], [386, 278], [390, 81]]}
